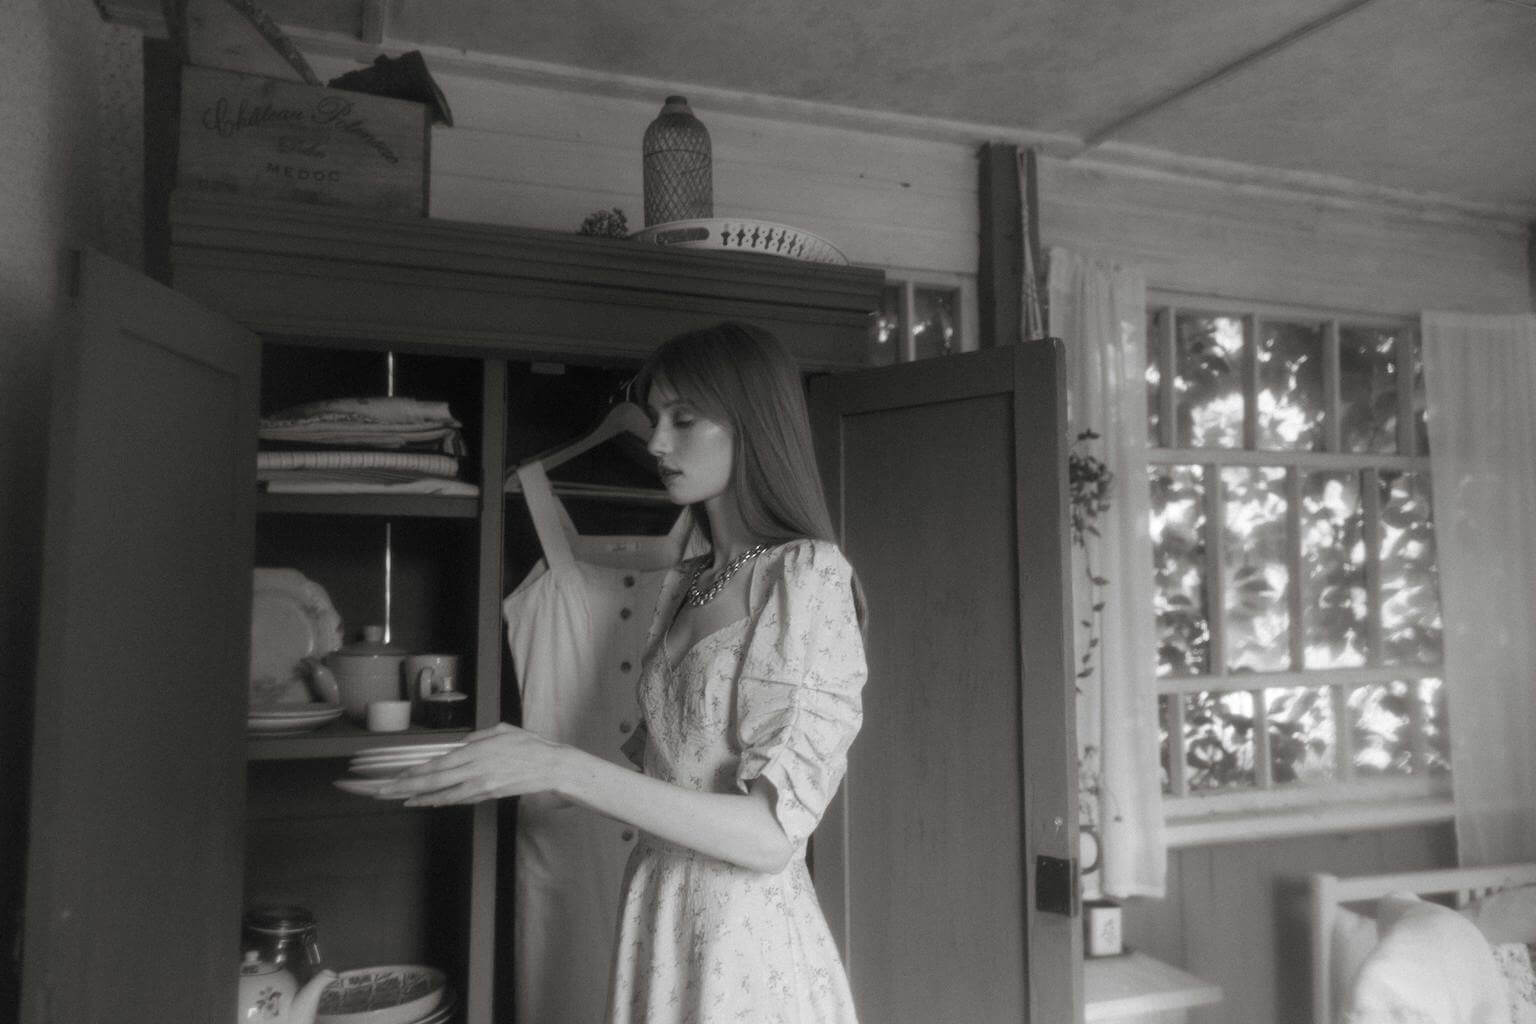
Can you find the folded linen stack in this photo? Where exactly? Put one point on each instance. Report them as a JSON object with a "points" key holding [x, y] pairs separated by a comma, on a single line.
{"points": [[362, 445]]}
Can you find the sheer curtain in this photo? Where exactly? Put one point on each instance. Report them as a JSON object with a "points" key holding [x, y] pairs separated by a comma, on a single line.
{"points": [[1099, 310], [1480, 378]]}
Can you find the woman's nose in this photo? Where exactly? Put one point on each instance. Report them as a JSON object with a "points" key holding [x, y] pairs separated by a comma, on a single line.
{"points": [[659, 444]]}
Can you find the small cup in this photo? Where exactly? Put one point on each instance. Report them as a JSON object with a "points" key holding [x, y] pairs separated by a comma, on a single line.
{"points": [[389, 715]]}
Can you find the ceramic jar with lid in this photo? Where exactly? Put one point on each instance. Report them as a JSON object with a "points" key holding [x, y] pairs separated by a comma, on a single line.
{"points": [[361, 673]]}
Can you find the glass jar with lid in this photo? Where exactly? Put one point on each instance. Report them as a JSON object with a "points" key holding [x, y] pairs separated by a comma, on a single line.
{"points": [[284, 936]]}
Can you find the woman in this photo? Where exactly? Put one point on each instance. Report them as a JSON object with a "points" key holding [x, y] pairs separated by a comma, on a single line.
{"points": [[750, 689]]}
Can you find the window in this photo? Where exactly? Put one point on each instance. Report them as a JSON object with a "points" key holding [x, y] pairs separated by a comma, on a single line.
{"points": [[921, 319], [1297, 601]]}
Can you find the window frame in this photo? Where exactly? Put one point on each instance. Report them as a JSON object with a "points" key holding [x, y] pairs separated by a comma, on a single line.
{"points": [[1269, 809], [966, 312]]}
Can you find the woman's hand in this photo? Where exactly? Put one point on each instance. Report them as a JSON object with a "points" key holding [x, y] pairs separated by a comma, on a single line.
{"points": [[496, 762]]}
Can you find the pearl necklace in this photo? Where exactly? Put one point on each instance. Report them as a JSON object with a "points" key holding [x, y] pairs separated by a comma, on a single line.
{"points": [[696, 597]]}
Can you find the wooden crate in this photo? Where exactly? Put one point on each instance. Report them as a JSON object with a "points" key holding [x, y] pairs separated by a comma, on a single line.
{"points": [[262, 137]]}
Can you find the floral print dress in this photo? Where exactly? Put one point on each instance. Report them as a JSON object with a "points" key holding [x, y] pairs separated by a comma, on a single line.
{"points": [[774, 695]]}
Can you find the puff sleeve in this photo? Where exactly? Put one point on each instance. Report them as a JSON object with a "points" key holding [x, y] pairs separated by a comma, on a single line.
{"points": [[798, 697]]}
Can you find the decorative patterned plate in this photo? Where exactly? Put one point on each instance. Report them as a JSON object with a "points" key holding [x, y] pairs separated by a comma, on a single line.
{"points": [[739, 234], [292, 618], [392, 994]]}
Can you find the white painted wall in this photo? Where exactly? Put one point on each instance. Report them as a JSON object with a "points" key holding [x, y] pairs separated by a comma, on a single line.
{"points": [[544, 157], [1243, 238], [545, 147]]}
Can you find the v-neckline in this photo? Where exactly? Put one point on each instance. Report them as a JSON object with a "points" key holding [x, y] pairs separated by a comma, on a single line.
{"points": [[666, 656]]}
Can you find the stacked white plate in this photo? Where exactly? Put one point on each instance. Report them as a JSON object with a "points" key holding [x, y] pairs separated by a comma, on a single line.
{"points": [[289, 719], [374, 767]]}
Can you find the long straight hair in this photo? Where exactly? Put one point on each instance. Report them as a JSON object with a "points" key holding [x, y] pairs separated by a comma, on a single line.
{"points": [[742, 376]]}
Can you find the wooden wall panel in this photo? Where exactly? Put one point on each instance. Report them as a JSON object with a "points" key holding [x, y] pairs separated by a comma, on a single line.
{"points": [[1250, 242], [1235, 914], [541, 157]]}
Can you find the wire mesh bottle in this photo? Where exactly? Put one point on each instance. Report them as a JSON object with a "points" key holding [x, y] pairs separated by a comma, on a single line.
{"points": [[678, 178]]}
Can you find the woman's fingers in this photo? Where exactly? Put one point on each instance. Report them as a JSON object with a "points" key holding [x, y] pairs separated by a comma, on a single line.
{"points": [[505, 761], [426, 782]]}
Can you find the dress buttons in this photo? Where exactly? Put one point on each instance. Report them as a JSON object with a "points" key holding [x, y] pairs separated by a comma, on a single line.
{"points": [[629, 581], [624, 666], [624, 613], [625, 727], [629, 834]]}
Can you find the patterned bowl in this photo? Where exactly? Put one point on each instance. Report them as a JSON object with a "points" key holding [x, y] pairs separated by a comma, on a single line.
{"points": [[739, 234], [391, 994]]}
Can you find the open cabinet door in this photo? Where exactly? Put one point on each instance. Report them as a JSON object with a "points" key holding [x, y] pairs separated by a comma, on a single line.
{"points": [[948, 482], [138, 772]]}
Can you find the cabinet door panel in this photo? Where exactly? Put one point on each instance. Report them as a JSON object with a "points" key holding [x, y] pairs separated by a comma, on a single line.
{"points": [[947, 479], [133, 898]]}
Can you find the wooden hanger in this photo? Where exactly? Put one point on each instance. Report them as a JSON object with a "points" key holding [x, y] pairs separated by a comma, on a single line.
{"points": [[622, 418]]}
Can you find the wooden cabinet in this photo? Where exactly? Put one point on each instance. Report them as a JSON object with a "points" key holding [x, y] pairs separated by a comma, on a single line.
{"points": [[154, 818]]}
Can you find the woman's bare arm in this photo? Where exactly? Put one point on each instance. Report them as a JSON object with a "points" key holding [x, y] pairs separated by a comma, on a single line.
{"points": [[508, 761]]}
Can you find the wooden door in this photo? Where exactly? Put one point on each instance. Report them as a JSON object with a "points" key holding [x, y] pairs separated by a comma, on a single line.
{"points": [[948, 482], [138, 771]]}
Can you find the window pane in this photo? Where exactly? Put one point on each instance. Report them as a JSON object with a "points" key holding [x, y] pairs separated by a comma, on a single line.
{"points": [[1218, 737], [1256, 569], [934, 326], [1209, 381], [1380, 718], [1155, 320], [1333, 570], [885, 339], [1436, 724], [1290, 399], [1178, 565], [1368, 388], [1302, 734], [1411, 631]]}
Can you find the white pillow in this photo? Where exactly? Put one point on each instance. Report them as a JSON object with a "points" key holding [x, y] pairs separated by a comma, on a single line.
{"points": [[1431, 965], [1354, 936]]}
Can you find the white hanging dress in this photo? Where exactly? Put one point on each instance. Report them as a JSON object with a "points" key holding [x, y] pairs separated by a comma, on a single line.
{"points": [[576, 627]]}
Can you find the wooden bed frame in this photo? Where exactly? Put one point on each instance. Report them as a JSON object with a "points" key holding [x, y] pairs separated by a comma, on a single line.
{"points": [[1326, 893]]}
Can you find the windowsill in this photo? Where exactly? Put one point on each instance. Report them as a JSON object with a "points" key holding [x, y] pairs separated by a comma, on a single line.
{"points": [[1134, 985], [1255, 826]]}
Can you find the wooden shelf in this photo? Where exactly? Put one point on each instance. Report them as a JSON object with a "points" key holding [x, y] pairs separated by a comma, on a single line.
{"points": [[340, 739], [424, 505]]}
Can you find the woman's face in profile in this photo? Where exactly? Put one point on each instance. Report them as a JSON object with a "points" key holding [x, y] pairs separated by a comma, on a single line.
{"points": [[693, 453]]}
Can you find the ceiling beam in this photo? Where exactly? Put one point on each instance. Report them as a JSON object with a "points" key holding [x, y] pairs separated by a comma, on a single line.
{"points": [[1226, 71]]}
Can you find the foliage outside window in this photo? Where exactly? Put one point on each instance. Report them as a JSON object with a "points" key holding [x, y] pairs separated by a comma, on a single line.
{"points": [[1297, 601], [917, 321]]}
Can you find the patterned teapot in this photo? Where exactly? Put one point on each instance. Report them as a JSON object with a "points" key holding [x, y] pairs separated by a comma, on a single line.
{"points": [[270, 994]]}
